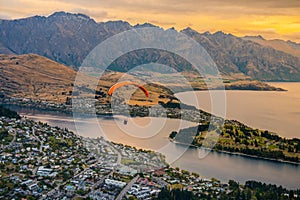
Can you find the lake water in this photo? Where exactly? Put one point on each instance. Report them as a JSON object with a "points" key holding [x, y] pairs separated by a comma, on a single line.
{"points": [[278, 112], [218, 165]]}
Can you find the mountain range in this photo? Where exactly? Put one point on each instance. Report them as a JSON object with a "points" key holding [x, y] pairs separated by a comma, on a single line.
{"points": [[67, 39], [289, 47]]}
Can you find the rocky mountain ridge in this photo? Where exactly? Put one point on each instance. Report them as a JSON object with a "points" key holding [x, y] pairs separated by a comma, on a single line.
{"points": [[68, 38]]}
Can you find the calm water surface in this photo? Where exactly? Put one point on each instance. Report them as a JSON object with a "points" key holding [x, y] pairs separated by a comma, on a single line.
{"points": [[278, 112], [219, 165]]}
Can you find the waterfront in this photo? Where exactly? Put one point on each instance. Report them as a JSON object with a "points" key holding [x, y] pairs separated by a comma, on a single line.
{"points": [[219, 165], [278, 112]]}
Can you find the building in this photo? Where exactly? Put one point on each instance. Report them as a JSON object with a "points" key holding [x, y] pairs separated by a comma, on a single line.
{"points": [[115, 183], [42, 171]]}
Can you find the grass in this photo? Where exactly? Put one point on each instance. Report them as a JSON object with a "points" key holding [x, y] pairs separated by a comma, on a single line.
{"points": [[177, 186], [236, 137], [125, 161]]}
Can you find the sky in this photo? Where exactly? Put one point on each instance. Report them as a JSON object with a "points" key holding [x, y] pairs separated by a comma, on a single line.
{"points": [[272, 19]]}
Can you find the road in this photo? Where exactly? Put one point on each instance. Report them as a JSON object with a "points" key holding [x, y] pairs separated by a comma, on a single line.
{"points": [[115, 151], [38, 139], [96, 184], [126, 188], [57, 187], [102, 180], [80, 173], [118, 162], [14, 139]]}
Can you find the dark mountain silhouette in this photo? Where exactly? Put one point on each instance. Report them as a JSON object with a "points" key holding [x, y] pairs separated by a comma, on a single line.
{"points": [[67, 38]]}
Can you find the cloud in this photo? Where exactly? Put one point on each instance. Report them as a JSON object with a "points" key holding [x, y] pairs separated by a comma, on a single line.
{"points": [[94, 13], [264, 7], [156, 22], [238, 17], [189, 7], [3, 16], [269, 32], [292, 36]]}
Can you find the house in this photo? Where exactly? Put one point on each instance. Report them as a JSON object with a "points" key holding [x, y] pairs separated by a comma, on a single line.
{"points": [[33, 186], [28, 182], [42, 171], [128, 171], [70, 190], [115, 183]]}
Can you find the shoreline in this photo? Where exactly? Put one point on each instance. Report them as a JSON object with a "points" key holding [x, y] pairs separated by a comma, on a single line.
{"points": [[172, 140], [258, 179], [236, 153]]}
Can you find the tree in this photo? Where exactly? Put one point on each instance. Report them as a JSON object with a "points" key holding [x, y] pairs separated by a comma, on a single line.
{"points": [[8, 113], [290, 149], [164, 195], [298, 147], [248, 193], [233, 185]]}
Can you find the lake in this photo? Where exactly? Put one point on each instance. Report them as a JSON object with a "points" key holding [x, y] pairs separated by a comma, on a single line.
{"points": [[218, 165], [277, 112]]}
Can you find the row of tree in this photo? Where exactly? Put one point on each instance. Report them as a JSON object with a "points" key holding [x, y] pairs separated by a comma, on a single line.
{"points": [[251, 190], [4, 112]]}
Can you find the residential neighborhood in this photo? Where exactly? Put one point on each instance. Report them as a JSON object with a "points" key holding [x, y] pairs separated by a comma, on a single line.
{"points": [[169, 110], [38, 161]]}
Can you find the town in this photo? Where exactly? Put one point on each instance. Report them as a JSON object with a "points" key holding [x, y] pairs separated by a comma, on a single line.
{"points": [[171, 110], [38, 161]]}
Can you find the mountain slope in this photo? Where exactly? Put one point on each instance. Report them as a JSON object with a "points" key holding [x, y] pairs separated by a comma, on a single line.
{"points": [[281, 45], [68, 38], [62, 37], [234, 55], [35, 77]]}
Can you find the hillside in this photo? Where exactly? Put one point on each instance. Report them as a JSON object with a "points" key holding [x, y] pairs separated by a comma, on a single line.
{"points": [[235, 137], [281, 45], [37, 78], [67, 38], [235, 55]]}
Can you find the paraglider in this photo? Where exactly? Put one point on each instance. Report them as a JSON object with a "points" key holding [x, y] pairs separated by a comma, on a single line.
{"points": [[121, 84]]}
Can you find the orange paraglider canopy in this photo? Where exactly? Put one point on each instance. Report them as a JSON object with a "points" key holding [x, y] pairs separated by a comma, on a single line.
{"points": [[121, 84]]}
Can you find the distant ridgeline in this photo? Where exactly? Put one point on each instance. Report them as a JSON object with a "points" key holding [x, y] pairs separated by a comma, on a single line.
{"points": [[68, 38], [239, 138], [4, 112]]}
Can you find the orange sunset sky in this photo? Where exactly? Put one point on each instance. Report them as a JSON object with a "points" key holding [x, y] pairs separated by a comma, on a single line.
{"points": [[269, 18]]}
